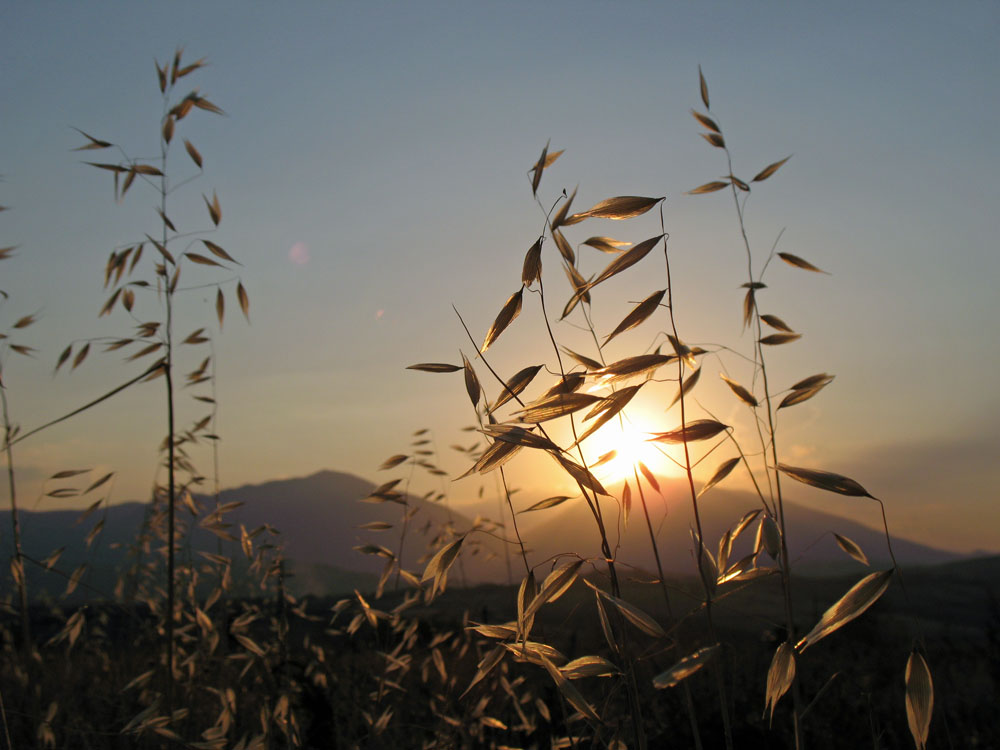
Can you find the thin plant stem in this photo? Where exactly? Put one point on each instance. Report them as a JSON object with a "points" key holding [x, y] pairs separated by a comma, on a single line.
{"points": [[685, 687], [513, 518], [446, 500], [720, 683], [642, 496], [746, 463], [639, 735], [595, 506], [83, 585], [22, 584], [146, 374], [638, 730], [6, 729], [223, 597], [517, 398], [406, 526], [777, 497], [171, 447]]}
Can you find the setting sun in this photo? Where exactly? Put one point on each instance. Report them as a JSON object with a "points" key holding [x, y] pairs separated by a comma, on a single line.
{"points": [[629, 442]]}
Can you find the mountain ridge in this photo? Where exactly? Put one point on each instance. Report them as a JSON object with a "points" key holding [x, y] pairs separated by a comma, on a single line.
{"points": [[319, 515]]}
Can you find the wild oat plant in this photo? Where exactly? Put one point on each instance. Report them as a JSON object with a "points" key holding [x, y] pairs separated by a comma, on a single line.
{"points": [[167, 637], [179, 655], [592, 391], [9, 343]]}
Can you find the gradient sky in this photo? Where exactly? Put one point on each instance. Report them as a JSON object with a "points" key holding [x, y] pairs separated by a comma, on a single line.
{"points": [[372, 172]]}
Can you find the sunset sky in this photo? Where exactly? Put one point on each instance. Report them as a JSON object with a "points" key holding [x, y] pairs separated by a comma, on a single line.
{"points": [[372, 169]]}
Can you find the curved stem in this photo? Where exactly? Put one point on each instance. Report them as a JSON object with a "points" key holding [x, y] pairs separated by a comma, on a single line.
{"points": [[506, 547], [406, 525], [171, 447], [516, 398], [777, 497], [88, 405], [447, 504], [22, 584], [720, 683], [632, 687], [513, 518]]}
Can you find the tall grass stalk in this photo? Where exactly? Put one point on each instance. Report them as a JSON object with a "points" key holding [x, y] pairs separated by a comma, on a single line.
{"points": [[525, 429], [17, 565], [9, 433], [654, 545], [389, 669], [769, 441], [706, 577], [632, 687], [159, 336]]}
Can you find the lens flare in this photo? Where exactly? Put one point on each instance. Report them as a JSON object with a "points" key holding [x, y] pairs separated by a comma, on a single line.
{"points": [[629, 441], [299, 253]]}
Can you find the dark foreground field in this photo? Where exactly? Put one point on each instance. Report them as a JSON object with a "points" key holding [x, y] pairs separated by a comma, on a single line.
{"points": [[313, 673]]}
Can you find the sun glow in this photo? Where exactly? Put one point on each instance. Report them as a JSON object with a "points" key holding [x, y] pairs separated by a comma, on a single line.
{"points": [[630, 443]]}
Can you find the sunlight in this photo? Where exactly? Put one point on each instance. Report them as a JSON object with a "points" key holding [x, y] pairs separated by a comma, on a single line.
{"points": [[629, 442]]}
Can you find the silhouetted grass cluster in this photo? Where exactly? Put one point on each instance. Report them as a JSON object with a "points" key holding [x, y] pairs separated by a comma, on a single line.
{"points": [[583, 652], [591, 389]]}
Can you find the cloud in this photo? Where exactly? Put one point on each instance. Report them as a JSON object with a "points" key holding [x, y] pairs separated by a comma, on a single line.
{"points": [[925, 467], [944, 491]]}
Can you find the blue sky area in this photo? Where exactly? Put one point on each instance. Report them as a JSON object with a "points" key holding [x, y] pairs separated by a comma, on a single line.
{"points": [[372, 170]]}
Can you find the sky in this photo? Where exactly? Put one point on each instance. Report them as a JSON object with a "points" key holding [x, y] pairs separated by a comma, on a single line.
{"points": [[372, 169]]}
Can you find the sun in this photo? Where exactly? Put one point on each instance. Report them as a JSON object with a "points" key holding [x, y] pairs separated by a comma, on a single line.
{"points": [[629, 442]]}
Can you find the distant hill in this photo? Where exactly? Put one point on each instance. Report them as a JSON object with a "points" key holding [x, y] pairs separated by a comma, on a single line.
{"points": [[812, 547], [318, 517]]}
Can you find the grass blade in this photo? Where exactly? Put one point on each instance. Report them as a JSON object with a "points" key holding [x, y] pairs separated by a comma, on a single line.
{"points": [[700, 429], [434, 367], [708, 187], [642, 364], [685, 667], [625, 260], [919, 698], [472, 386], [569, 691], [622, 207], [725, 468], [860, 597], [641, 311], [851, 548], [776, 339], [510, 310], [557, 405], [826, 480], [514, 386], [769, 170], [555, 585], [779, 677], [532, 269]]}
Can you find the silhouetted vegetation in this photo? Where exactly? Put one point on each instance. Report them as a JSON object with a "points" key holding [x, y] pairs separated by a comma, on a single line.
{"points": [[206, 649]]}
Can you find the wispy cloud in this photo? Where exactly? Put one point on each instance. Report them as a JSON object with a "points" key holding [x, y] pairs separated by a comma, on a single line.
{"points": [[944, 491]]}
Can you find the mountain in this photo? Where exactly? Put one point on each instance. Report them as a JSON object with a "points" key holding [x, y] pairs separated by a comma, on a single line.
{"points": [[812, 546], [318, 518]]}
